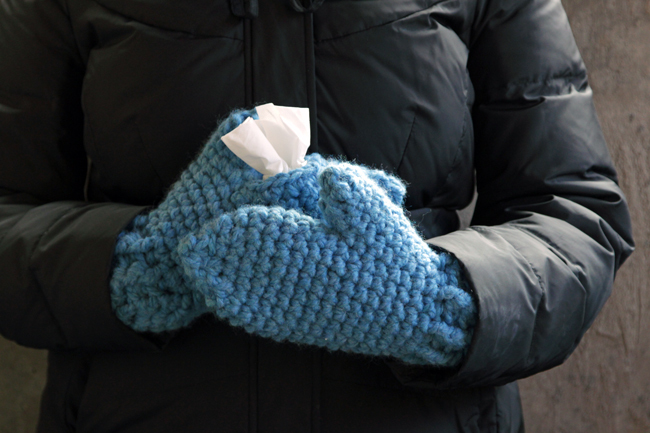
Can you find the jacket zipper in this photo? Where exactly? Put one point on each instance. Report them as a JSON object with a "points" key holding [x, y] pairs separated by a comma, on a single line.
{"points": [[253, 347], [252, 385], [310, 70], [248, 62]]}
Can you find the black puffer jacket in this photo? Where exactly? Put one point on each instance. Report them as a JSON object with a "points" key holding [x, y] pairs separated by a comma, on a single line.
{"points": [[104, 102]]}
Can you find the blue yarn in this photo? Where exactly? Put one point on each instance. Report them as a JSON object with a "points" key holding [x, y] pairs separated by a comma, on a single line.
{"points": [[149, 291], [357, 278]]}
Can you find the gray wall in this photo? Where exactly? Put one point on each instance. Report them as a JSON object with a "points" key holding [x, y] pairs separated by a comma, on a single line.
{"points": [[605, 386]]}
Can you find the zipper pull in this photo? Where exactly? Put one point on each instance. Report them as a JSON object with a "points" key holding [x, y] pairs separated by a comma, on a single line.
{"points": [[311, 6], [244, 8]]}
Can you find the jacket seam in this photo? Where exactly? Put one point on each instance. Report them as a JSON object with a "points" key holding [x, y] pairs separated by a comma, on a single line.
{"points": [[537, 274], [333, 38], [534, 271], [539, 278], [167, 29], [91, 132], [72, 424], [66, 8], [541, 285], [457, 159], [555, 247], [32, 271], [59, 328], [408, 140]]}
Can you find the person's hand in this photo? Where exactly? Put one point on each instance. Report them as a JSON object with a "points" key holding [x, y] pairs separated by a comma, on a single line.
{"points": [[358, 279], [149, 291]]}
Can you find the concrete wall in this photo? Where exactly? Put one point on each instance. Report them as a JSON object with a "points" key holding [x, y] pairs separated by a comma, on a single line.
{"points": [[605, 386]]}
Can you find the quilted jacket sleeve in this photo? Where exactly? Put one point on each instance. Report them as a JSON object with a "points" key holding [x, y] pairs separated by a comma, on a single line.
{"points": [[551, 226], [55, 249]]}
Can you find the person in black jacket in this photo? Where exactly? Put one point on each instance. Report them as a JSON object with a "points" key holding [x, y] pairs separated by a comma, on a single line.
{"points": [[104, 103]]}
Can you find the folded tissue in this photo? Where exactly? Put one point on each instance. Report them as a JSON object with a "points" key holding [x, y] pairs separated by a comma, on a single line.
{"points": [[275, 143]]}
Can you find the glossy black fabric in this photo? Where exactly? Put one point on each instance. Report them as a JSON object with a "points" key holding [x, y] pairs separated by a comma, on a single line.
{"points": [[103, 103]]}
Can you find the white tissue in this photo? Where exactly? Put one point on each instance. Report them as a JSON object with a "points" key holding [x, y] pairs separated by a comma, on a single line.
{"points": [[276, 143]]}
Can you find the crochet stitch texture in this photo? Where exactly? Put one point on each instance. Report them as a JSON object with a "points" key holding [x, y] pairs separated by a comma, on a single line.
{"points": [[358, 278], [149, 291]]}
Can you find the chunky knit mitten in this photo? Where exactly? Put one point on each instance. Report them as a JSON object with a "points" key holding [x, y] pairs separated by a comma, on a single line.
{"points": [[360, 279], [148, 288], [149, 291]]}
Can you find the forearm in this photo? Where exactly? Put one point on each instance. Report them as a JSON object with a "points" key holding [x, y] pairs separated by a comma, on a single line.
{"points": [[54, 265]]}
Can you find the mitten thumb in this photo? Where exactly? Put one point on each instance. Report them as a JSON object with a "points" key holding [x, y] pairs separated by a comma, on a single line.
{"points": [[352, 203]]}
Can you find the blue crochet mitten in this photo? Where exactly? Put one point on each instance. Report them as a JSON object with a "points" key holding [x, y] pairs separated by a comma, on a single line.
{"points": [[360, 279], [149, 291]]}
